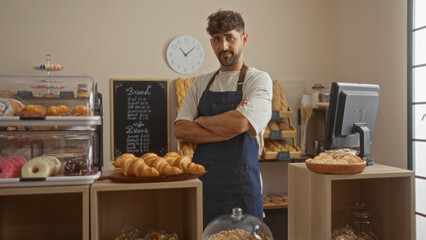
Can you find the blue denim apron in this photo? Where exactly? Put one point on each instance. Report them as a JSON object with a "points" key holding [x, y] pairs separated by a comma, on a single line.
{"points": [[233, 168]]}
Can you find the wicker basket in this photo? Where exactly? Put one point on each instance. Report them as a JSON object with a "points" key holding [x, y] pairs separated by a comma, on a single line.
{"points": [[337, 169]]}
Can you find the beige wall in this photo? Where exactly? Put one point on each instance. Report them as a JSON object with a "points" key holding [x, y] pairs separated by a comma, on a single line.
{"points": [[370, 47], [293, 40]]}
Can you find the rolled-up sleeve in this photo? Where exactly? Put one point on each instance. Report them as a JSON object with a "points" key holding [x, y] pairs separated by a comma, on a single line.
{"points": [[258, 90]]}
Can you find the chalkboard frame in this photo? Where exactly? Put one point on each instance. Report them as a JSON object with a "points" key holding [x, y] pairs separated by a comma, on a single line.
{"points": [[114, 81]]}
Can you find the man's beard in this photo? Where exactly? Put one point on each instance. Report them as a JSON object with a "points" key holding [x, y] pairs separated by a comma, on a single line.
{"points": [[229, 61]]}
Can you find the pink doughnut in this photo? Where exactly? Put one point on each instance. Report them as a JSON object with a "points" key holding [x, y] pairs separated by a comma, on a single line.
{"points": [[17, 163], [6, 169], [19, 159]]}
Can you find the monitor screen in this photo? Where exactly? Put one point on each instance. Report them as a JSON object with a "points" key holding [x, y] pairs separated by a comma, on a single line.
{"points": [[351, 116]]}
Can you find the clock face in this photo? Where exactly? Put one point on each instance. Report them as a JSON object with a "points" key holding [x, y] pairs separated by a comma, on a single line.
{"points": [[185, 54]]}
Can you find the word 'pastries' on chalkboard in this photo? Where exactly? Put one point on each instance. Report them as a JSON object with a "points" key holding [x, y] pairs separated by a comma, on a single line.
{"points": [[139, 116]]}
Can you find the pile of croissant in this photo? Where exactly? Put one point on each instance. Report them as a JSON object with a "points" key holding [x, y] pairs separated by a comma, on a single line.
{"points": [[151, 165]]}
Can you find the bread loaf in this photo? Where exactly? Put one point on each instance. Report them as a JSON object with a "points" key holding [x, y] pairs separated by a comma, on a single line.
{"points": [[273, 126], [276, 97], [181, 87], [283, 99], [284, 126]]}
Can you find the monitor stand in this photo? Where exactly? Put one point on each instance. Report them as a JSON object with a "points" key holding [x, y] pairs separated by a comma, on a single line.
{"points": [[364, 137]]}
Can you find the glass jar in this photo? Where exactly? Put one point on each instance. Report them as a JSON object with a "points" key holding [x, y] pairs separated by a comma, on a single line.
{"points": [[324, 95], [237, 226], [363, 221]]}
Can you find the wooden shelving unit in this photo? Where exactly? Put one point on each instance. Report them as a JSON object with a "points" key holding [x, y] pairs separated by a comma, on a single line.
{"points": [[268, 206], [289, 134], [317, 201], [60, 212], [175, 207]]}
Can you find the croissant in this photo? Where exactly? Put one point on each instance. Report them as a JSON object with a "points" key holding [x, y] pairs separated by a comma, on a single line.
{"points": [[185, 163], [170, 156], [138, 167], [162, 166], [119, 162]]}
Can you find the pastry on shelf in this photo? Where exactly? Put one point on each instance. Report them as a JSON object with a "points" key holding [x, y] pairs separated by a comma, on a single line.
{"points": [[33, 111], [60, 110], [81, 110], [10, 106], [151, 165]]}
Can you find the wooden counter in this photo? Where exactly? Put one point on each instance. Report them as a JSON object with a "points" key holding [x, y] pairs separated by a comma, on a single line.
{"points": [[175, 207], [53, 212], [316, 201]]}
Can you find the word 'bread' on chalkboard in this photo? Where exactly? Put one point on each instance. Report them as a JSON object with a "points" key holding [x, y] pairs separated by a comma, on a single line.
{"points": [[139, 116]]}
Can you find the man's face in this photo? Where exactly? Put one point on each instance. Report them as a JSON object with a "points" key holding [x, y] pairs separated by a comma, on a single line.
{"points": [[228, 46]]}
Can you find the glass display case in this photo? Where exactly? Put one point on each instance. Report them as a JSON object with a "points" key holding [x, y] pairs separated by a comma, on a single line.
{"points": [[237, 226], [49, 122]]}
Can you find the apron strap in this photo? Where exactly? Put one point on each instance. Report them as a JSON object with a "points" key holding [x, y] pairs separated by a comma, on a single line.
{"points": [[240, 78]]}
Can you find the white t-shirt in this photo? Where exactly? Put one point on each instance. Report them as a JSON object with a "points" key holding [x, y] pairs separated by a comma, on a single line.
{"points": [[257, 88]]}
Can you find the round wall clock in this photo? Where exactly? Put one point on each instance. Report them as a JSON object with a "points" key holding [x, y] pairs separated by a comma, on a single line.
{"points": [[185, 54]]}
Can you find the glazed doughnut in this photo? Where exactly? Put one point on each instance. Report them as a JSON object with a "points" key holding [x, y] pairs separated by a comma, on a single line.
{"points": [[77, 167], [81, 110], [57, 166], [6, 169], [36, 167], [33, 111]]}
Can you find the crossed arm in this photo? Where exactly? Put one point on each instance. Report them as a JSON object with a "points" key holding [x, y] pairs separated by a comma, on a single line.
{"points": [[216, 128]]}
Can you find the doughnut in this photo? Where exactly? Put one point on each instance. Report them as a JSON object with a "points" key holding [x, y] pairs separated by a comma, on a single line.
{"points": [[77, 167], [6, 169], [36, 167], [17, 163], [18, 159], [56, 166]]}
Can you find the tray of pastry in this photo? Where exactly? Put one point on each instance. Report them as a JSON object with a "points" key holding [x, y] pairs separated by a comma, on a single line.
{"points": [[46, 100], [118, 177], [152, 168], [336, 163], [49, 181], [15, 121], [46, 170], [14, 112]]}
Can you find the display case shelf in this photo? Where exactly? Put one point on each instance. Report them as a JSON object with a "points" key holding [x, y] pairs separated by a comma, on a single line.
{"points": [[50, 121], [316, 201], [175, 207], [44, 213]]}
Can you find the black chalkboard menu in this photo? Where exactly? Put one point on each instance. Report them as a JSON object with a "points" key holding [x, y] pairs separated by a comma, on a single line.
{"points": [[139, 116]]}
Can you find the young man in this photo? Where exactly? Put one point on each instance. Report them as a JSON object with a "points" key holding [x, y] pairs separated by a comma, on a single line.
{"points": [[225, 113]]}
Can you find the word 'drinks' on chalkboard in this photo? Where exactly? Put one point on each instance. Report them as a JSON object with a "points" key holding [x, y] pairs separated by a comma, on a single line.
{"points": [[139, 113]]}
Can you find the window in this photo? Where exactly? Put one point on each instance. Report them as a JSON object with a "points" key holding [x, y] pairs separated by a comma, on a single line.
{"points": [[416, 70]]}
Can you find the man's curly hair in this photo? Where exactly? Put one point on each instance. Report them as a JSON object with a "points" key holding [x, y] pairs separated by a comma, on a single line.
{"points": [[223, 21]]}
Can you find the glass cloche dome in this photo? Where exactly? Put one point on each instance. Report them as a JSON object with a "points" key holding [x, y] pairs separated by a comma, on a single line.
{"points": [[237, 226]]}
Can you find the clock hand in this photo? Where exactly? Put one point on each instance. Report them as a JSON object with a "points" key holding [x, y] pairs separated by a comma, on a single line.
{"points": [[184, 54], [190, 51]]}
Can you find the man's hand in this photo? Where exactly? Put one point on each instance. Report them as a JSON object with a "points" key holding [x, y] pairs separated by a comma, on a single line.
{"points": [[243, 102]]}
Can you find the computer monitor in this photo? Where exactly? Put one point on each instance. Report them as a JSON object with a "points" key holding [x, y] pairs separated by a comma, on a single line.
{"points": [[351, 117]]}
